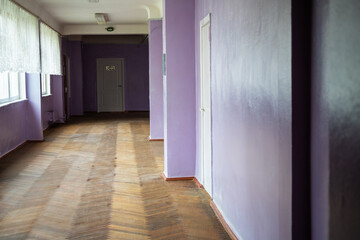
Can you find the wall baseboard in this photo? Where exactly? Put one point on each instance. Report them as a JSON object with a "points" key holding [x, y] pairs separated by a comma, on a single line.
{"points": [[196, 181], [176, 179], [155, 140], [222, 220]]}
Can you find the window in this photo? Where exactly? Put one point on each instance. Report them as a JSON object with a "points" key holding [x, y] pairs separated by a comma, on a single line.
{"points": [[12, 86], [45, 84], [50, 50], [19, 50], [50, 56], [19, 39]]}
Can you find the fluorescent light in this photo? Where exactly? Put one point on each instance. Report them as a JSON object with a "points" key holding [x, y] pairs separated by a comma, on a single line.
{"points": [[101, 18]]}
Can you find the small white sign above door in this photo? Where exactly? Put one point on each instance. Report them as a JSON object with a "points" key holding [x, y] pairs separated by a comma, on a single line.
{"points": [[110, 68]]}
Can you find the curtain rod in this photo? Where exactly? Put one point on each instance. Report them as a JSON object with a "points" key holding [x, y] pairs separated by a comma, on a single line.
{"points": [[27, 10]]}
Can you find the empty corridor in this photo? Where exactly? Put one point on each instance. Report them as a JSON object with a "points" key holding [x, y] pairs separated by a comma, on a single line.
{"points": [[98, 177]]}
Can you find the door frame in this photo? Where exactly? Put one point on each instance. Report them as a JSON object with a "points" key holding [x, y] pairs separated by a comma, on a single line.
{"points": [[66, 86], [206, 21], [122, 75]]}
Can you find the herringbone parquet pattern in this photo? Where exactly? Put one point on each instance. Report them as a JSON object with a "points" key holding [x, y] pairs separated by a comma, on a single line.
{"points": [[99, 178]]}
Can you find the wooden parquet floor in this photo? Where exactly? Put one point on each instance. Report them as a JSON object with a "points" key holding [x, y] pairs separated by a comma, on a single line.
{"points": [[98, 177]]}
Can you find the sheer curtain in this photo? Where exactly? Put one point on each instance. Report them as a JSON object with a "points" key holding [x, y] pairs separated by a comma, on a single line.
{"points": [[50, 51], [19, 39]]}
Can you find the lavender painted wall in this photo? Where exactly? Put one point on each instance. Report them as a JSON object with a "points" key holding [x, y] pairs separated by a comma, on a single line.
{"points": [[53, 102], [335, 120], [58, 97], [72, 49], [251, 112], [33, 113], [13, 127], [76, 79], [156, 80], [136, 75], [179, 88], [26, 119], [319, 130], [47, 105]]}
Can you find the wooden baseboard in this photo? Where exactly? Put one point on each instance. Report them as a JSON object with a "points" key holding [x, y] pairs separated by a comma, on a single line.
{"points": [[222, 220], [198, 183], [176, 179], [156, 140], [194, 179]]}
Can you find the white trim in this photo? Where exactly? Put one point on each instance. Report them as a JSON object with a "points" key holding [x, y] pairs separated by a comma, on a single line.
{"points": [[154, 19], [12, 102], [21, 90], [45, 79], [204, 22]]}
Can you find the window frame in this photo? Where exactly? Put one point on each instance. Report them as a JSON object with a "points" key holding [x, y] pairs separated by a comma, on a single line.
{"points": [[20, 89], [45, 81]]}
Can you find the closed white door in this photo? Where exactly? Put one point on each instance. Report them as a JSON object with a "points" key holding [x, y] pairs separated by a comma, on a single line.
{"points": [[110, 84], [206, 142]]}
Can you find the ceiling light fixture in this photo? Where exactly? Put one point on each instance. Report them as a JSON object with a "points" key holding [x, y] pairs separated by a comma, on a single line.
{"points": [[101, 18]]}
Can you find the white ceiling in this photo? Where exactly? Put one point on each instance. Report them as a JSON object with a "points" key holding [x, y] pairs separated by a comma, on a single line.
{"points": [[119, 11], [77, 16]]}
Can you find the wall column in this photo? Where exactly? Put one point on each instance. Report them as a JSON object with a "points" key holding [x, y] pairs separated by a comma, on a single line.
{"points": [[179, 88], [34, 115], [156, 80]]}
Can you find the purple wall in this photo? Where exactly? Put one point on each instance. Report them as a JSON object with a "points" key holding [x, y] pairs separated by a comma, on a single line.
{"points": [[58, 98], [179, 88], [25, 120], [53, 102], [13, 127], [21, 121], [156, 80], [319, 132], [33, 114], [76, 79], [72, 49], [136, 75], [251, 112], [47, 105], [335, 120]]}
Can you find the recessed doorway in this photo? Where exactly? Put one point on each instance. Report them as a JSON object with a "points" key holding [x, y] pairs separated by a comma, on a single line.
{"points": [[110, 84]]}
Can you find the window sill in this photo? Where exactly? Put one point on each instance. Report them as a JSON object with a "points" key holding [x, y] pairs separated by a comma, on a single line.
{"points": [[12, 102], [46, 95]]}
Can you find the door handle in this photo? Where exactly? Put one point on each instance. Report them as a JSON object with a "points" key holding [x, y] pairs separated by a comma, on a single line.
{"points": [[119, 85], [202, 109]]}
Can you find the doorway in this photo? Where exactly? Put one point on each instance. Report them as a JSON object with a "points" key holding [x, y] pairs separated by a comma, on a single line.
{"points": [[110, 84], [66, 87], [206, 138]]}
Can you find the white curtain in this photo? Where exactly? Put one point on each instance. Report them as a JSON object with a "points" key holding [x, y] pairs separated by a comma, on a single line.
{"points": [[50, 51], [19, 39]]}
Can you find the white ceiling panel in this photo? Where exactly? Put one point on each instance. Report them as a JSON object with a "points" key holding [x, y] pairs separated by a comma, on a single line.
{"points": [[73, 12]]}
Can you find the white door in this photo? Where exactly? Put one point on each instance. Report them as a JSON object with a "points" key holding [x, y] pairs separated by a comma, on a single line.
{"points": [[110, 84], [206, 104]]}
